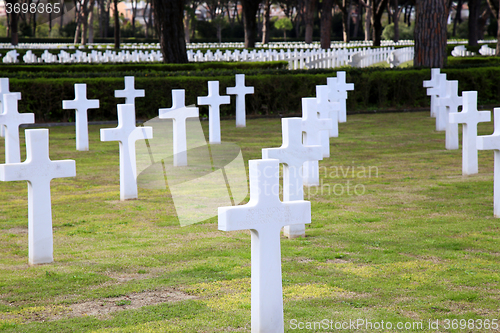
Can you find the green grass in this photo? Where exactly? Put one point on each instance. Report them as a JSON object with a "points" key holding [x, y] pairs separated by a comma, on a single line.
{"points": [[418, 241]]}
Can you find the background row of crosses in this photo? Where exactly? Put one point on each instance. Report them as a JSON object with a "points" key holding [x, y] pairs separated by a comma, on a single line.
{"points": [[444, 106]]}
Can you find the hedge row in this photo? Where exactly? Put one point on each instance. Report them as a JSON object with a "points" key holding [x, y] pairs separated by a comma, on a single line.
{"points": [[275, 95], [13, 69]]}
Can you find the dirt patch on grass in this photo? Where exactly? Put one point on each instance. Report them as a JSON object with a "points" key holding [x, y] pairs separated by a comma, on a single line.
{"points": [[337, 261], [99, 308], [17, 231], [106, 306]]}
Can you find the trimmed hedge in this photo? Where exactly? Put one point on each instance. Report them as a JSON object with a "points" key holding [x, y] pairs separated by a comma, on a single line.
{"points": [[13, 69], [275, 95]]}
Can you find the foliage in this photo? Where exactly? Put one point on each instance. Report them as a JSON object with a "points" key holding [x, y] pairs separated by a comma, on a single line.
{"points": [[405, 32], [128, 31], [283, 24], [462, 30], [68, 30]]}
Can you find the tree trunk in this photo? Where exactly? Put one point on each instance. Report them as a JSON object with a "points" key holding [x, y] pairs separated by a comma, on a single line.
{"points": [[395, 18], [78, 13], [85, 20], [187, 24], [346, 18], [14, 37], [117, 24], [326, 23], [34, 18], [378, 7], [359, 18], [170, 29], [430, 33], [473, 18], [498, 34], [266, 22], [250, 8], [309, 18], [368, 18], [458, 17], [495, 11], [134, 14], [91, 22], [482, 22], [61, 23]]}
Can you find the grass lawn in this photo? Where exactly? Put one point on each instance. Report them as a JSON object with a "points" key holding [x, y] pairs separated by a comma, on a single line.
{"points": [[399, 235]]}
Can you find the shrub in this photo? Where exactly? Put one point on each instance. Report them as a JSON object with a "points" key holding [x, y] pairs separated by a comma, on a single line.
{"points": [[277, 93], [405, 32]]}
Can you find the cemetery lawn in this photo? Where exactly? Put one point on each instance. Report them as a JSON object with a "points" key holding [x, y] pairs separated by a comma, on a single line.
{"points": [[399, 235]]}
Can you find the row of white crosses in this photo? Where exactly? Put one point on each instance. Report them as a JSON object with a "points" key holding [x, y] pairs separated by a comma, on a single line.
{"points": [[444, 106], [38, 170], [214, 100], [265, 214], [444, 103]]}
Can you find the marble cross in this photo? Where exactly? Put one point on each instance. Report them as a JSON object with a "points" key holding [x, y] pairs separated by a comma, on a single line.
{"points": [[38, 170], [81, 104], [329, 111], [127, 134], [264, 215], [179, 114], [293, 154], [312, 127], [343, 86], [10, 119], [335, 96], [433, 82], [214, 101], [439, 91], [469, 117], [4, 89], [450, 104], [240, 90], [492, 142], [130, 93]]}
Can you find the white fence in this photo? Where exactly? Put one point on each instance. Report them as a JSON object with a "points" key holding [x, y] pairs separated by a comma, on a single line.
{"points": [[298, 54], [400, 56]]}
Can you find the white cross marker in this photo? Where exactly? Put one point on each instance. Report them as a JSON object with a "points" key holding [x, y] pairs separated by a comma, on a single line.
{"points": [[265, 215], [4, 89], [240, 91], [433, 82], [450, 104], [469, 117], [492, 142], [439, 91], [127, 134], [129, 93], [312, 127], [38, 170], [214, 101], [179, 113], [342, 86], [335, 96], [326, 109], [11, 119], [81, 104], [293, 154]]}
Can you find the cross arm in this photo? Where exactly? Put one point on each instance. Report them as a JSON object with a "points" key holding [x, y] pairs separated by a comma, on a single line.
{"points": [[488, 142], [457, 117], [13, 172], [65, 168], [76, 105], [234, 218]]}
